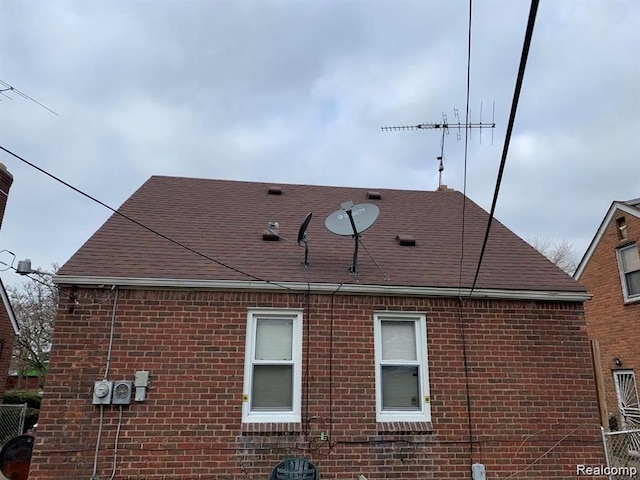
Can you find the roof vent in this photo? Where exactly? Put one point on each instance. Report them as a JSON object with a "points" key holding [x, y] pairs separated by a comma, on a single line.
{"points": [[270, 236], [373, 195], [406, 240], [274, 190], [272, 233]]}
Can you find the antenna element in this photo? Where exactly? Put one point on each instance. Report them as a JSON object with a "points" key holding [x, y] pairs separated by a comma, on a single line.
{"points": [[445, 126]]}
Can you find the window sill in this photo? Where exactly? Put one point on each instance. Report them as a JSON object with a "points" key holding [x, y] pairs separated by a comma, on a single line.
{"points": [[631, 300], [404, 428], [271, 428]]}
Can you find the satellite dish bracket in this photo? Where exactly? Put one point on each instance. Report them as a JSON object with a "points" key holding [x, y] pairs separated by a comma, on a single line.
{"points": [[304, 238], [356, 236]]}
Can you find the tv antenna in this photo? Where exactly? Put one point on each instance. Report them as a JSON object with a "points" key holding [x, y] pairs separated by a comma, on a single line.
{"points": [[304, 238], [444, 127], [5, 87], [352, 220]]}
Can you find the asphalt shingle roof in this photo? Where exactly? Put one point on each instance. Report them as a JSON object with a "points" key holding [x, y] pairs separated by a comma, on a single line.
{"points": [[225, 220]]}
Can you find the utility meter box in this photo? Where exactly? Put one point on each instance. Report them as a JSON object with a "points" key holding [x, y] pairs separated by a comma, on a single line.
{"points": [[121, 393], [102, 392], [478, 472]]}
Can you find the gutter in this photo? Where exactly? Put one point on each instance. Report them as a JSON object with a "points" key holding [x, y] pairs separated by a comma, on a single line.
{"points": [[347, 289]]}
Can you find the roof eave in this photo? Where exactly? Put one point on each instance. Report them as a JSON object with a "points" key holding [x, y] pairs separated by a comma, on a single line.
{"points": [[600, 232], [347, 289]]}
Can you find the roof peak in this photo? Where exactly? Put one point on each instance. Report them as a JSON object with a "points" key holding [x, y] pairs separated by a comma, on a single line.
{"points": [[282, 185]]}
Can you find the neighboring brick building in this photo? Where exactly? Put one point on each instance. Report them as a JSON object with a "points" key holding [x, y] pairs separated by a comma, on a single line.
{"points": [[398, 372], [8, 324], [610, 269]]}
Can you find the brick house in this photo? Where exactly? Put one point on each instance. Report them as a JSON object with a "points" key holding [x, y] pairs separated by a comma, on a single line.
{"points": [[610, 269], [8, 323], [396, 372]]}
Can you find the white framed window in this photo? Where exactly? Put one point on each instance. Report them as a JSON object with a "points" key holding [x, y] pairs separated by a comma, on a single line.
{"points": [[273, 366], [402, 377], [629, 263]]}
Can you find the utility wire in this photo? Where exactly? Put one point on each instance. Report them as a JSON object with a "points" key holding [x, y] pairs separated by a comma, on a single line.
{"points": [[140, 224], [465, 360], [373, 259], [507, 140], [464, 203], [466, 147]]}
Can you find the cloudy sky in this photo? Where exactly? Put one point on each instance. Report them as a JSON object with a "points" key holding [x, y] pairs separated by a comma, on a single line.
{"points": [[296, 92]]}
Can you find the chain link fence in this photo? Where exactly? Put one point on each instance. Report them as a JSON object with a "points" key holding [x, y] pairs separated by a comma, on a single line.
{"points": [[622, 452], [11, 421]]}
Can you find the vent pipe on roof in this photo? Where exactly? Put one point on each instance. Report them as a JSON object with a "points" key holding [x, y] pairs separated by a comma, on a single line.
{"points": [[406, 240], [269, 236], [274, 190], [373, 195]]}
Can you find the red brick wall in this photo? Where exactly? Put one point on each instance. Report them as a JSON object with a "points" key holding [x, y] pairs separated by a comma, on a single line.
{"points": [[7, 334], [613, 323], [531, 387], [7, 337]]}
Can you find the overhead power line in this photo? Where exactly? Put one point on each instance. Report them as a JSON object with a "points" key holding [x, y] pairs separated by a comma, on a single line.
{"points": [[514, 107], [140, 224], [465, 355]]}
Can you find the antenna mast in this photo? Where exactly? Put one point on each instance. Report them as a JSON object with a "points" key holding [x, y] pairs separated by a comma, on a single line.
{"points": [[444, 126]]}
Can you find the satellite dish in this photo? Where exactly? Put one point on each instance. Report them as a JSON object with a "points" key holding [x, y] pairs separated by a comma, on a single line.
{"points": [[364, 216], [302, 233], [303, 238], [352, 220]]}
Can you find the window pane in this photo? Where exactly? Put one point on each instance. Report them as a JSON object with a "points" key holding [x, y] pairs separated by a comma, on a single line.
{"points": [[273, 338], [399, 341], [630, 258], [400, 388], [272, 387], [633, 283]]}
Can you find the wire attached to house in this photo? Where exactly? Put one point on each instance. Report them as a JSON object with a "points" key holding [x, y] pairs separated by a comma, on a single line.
{"points": [[544, 454], [115, 446], [112, 331], [140, 224], [373, 260], [463, 335], [94, 476], [507, 140], [307, 323]]}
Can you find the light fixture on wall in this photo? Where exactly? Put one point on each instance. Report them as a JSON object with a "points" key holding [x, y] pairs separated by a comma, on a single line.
{"points": [[617, 361]]}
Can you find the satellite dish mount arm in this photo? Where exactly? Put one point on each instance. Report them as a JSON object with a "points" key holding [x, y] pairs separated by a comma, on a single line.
{"points": [[356, 236], [304, 238]]}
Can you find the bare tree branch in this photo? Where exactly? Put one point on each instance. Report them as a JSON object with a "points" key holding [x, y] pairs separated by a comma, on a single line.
{"points": [[559, 252], [35, 303]]}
